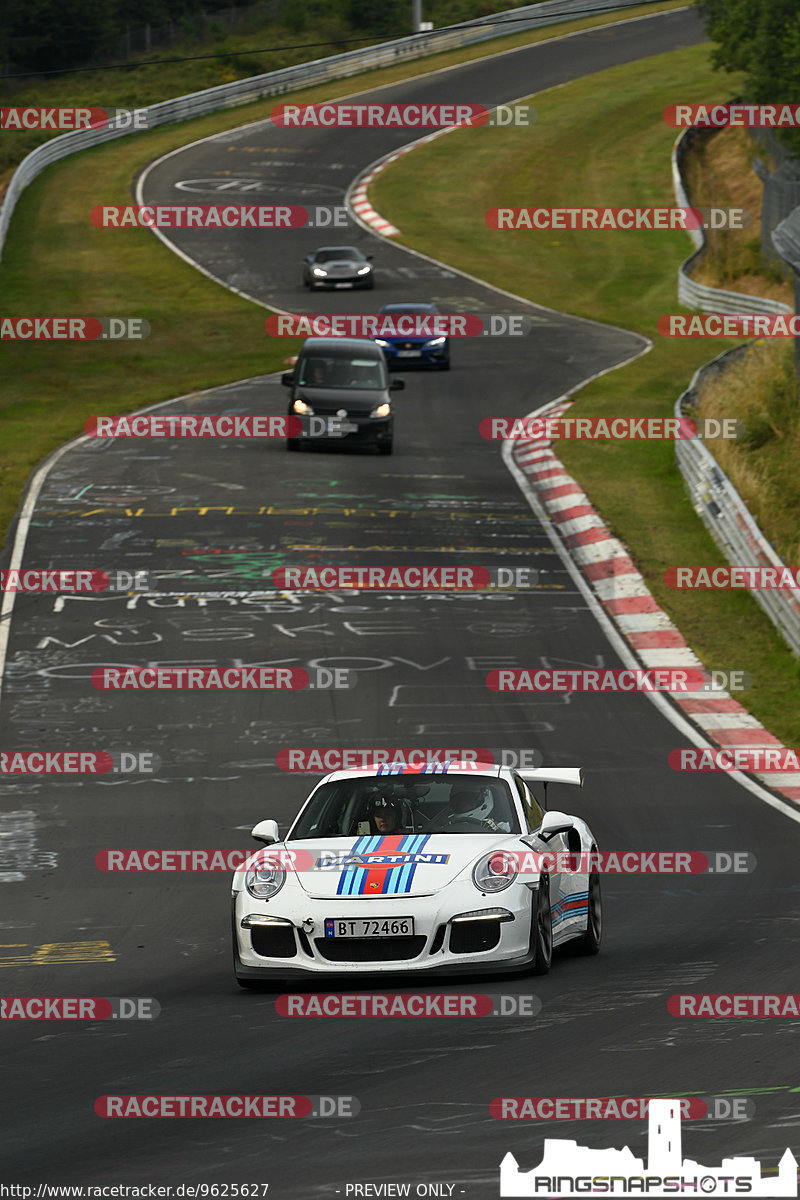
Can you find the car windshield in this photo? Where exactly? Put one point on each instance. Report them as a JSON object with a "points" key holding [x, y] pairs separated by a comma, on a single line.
{"points": [[385, 804], [409, 308], [346, 252], [342, 371]]}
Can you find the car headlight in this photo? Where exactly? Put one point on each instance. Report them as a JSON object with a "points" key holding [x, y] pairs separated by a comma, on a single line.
{"points": [[494, 872], [300, 406], [437, 341], [383, 410], [264, 882], [365, 270], [381, 342], [318, 271]]}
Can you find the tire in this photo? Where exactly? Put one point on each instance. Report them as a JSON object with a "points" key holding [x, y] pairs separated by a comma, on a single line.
{"points": [[589, 942], [385, 448], [542, 929]]}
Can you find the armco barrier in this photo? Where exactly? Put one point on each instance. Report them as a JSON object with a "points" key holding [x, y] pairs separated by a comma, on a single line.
{"points": [[725, 514], [698, 295], [338, 66]]}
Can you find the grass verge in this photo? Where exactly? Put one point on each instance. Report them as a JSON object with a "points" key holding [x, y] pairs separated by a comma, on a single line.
{"points": [[55, 262], [602, 140]]}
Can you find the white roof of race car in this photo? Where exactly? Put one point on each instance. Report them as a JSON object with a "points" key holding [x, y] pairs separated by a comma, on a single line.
{"points": [[571, 775]]}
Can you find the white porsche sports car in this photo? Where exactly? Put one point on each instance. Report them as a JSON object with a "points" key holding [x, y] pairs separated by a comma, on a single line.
{"points": [[448, 868]]}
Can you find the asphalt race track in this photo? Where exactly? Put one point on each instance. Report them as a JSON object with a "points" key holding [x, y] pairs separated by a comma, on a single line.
{"points": [[210, 521]]}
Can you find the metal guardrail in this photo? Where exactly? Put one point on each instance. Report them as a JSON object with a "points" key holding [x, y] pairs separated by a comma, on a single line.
{"points": [[713, 496], [699, 295], [274, 83], [725, 514]]}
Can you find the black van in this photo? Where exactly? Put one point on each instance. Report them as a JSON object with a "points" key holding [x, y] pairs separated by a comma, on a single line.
{"points": [[340, 390]]}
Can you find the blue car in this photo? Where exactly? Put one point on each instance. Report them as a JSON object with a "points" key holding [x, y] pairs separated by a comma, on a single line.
{"points": [[411, 350]]}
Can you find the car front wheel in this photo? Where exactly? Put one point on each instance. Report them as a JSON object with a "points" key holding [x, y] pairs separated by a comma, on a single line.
{"points": [[542, 929], [589, 942]]}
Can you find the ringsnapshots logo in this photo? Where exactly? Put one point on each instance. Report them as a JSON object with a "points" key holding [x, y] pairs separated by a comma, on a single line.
{"points": [[79, 1008], [400, 116], [406, 1004], [569, 1170], [73, 329], [260, 1107]]}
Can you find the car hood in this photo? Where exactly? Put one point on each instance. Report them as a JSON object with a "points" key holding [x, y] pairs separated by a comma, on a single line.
{"points": [[330, 400], [392, 865]]}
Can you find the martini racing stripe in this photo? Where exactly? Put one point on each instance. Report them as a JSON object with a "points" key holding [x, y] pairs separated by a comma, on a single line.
{"points": [[576, 905], [381, 879]]}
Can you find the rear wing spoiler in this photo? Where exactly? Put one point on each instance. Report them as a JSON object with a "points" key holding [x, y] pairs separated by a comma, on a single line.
{"points": [[545, 775], [573, 775]]}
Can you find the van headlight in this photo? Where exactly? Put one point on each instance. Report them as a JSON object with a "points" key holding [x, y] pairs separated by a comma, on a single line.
{"points": [[494, 872], [264, 882], [300, 406], [383, 410]]}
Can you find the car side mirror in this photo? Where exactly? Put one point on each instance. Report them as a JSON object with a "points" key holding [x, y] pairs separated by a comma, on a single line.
{"points": [[554, 823], [397, 385], [287, 378], [266, 832]]}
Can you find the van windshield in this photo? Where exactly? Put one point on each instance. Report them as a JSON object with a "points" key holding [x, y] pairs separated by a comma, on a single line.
{"points": [[342, 371]]}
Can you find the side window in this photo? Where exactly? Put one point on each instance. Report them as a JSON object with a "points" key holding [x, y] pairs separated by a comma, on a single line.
{"points": [[533, 813]]}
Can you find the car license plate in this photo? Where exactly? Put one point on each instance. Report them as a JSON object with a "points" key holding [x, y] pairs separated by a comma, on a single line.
{"points": [[342, 285], [409, 354], [369, 927], [348, 427]]}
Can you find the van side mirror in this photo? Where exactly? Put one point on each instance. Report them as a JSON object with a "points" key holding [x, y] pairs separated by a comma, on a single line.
{"points": [[287, 378]]}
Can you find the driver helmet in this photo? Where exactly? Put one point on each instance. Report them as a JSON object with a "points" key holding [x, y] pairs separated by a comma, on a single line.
{"points": [[471, 800], [384, 803]]}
